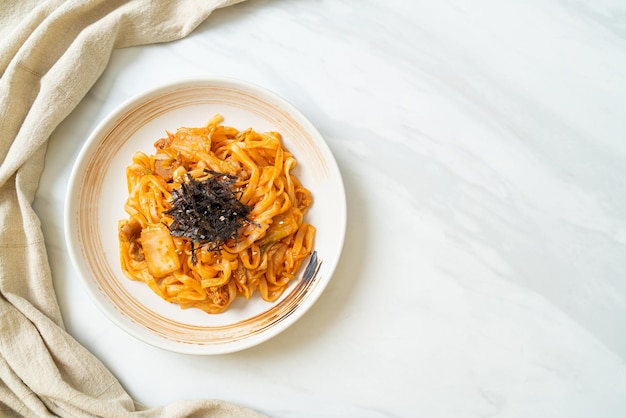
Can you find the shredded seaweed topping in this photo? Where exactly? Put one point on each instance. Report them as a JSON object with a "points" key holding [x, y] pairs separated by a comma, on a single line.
{"points": [[208, 212]]}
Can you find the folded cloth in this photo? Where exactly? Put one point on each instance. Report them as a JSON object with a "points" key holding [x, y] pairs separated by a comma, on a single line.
{"points": [[51, 53]]}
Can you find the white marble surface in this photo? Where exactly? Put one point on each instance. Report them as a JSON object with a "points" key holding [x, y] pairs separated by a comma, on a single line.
{"points": [[483, 149]]}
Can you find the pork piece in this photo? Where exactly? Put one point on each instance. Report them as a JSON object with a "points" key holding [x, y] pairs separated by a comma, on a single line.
{"points": [[130, 231]]}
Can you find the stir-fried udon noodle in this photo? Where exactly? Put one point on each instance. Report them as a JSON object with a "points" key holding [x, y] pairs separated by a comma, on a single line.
{"points": [[175, 256]]}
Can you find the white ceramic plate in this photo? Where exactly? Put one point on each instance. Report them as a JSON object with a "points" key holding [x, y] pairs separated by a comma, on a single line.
{"points": [[97, 192]]}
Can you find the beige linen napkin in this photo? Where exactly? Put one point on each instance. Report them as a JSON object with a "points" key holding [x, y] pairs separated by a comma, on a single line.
{"points": [[51, 53]]}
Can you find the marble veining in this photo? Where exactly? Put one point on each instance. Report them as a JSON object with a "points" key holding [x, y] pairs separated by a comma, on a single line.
{"points": [[483, 149]]}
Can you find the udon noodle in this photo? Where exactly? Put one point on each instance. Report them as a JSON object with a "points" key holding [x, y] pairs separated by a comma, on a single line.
{"points": [[269, 245]]}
